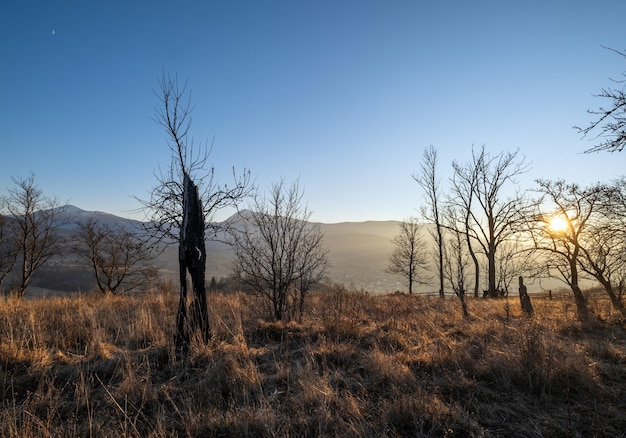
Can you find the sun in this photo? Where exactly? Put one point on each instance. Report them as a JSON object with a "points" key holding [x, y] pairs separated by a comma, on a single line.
{"points": [[558, 224]]}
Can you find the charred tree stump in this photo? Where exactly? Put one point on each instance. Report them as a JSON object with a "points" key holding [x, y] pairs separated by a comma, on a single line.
{"points": [[524, 298], [192, 318]]}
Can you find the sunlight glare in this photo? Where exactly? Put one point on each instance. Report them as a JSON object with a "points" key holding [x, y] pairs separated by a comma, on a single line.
{"points": [[558, 224]]}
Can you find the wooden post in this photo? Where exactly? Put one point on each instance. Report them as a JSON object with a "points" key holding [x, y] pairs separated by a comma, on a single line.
{"points": [[192, 260], [524, 298]]}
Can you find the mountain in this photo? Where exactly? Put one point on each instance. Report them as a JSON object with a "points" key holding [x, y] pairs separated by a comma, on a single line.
{"points": [[70, 216], [358, 255], [358, 252]]}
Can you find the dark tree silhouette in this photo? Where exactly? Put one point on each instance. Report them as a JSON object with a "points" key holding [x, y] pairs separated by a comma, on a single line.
{"points": [[456, 249], [34, 221], [428, 180], [492, 217], [610, 121], [459, 204], [192, 261], [181, 206], [409, 257], [279, 253], [603, 254], [119, 259], [8, 247], [575, 207]]}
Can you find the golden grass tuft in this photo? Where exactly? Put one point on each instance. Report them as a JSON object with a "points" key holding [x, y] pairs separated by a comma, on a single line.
{"points": [[356, 365]]}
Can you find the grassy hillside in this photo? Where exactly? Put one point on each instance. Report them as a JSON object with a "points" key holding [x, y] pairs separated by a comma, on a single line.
{"points": [[357, 365]]}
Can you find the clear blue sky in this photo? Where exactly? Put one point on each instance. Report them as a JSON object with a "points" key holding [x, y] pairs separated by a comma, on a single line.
{"points": [[343, 95]]}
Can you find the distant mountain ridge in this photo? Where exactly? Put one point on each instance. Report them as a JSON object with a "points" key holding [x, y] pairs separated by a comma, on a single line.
{"points": [[358, 251], [70, 216], [358, 254]]}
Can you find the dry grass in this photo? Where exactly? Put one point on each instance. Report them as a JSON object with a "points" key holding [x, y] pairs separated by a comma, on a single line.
{"points": [[357, 365]]}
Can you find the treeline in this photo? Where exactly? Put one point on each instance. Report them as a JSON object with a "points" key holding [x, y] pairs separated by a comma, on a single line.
{"points": [[487, 230], [487, 227]]}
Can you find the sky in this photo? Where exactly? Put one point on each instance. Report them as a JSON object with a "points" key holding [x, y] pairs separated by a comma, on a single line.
{"points": [[341, 95]]}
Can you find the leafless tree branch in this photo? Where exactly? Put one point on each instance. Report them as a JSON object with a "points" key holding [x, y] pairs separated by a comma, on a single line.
{"points": [[279, 253], [610, 121]]}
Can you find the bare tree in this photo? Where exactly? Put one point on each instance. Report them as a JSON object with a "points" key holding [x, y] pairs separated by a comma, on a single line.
{"points": [[610, 122], [279, 253], [8, 247], [456, 250], [561, 222], [461, 199], [603, 251], [164, 208], [33, 221], [429, 182], [602, 257], [182, 204], [494, 218], [515, 258], [409, 257], [119, 259]]}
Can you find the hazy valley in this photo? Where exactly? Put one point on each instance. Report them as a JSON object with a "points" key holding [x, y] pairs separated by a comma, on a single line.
{"points": [[358, 254]]}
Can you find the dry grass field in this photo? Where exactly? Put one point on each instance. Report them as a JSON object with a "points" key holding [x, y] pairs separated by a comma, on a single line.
{"points": [[357, 365]]}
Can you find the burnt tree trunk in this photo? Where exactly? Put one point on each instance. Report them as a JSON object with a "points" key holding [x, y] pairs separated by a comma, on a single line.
{"points": [[193, 317], [524, 298]]}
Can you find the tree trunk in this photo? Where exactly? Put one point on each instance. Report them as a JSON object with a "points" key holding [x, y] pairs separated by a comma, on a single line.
{"points": [[463, 303], [617, 303], [491, 270], [182, 334], [472, 254], [582, 309], [524, 298], [440, 249], [192, 260]]}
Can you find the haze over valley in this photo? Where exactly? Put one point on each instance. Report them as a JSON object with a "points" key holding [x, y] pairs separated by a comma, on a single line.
{"points": [[358, 252]]}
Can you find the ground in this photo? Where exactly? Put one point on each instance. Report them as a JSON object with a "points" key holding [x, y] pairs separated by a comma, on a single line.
{"points": [[355, 365]]}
